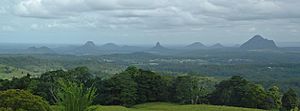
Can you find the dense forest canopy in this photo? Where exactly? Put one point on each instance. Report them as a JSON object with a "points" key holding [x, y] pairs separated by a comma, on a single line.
{"points": [[134, 86]]}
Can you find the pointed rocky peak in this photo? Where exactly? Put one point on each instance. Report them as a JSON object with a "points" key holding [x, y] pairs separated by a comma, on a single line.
{"points": [[158, 46], [258, 42]]}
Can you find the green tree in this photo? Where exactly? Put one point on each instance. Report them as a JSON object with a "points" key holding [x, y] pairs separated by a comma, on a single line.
{"points": [[275, 94], [191, 89], [80, 75], [229, 92], [289, 100], [149, 86], [239, 92], [254, 96], [22, 100], [74, 97], [184, 89], [121, 89], [132, 70], [47, 84], [20, 83]]}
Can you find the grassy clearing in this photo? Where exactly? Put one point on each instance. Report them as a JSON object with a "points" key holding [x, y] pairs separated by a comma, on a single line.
{"points": [[8, 72], [171, 107]]}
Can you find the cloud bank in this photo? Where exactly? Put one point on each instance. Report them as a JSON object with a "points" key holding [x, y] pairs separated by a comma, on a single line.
{"points": [[151, 20], [158, 13]]}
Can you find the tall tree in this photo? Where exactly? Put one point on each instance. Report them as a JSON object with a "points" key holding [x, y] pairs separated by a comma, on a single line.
{"points": [[289, 100], [188, 90], [239, 92], [149, 86], [229, 92], [121, 89], [275, 94]]}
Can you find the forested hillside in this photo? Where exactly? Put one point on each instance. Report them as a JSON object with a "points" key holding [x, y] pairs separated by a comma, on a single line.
{"points": [[137, 86]]}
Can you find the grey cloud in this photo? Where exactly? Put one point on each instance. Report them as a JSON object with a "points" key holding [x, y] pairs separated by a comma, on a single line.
{"points": [[227, 9], [159, 14]]}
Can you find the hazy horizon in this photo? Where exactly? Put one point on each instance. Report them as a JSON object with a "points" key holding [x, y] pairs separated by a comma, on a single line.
{"points": [[144, 22]]}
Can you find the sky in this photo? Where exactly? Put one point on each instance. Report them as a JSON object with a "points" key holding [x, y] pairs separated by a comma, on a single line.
{"points": [[148, 21]]}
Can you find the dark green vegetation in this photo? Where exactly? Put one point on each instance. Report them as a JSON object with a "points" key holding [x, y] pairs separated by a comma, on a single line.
{"points": [[22, 100], [289, 100], [74, 97], [77, 89], [269, 68], [260, 77]]}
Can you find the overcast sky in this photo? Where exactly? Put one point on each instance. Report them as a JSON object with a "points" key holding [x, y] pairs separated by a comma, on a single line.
{"points": [[148, 21]]}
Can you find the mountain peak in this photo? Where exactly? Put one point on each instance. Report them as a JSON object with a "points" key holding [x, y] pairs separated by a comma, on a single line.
{"points": [[217, 45], [257, 37], [89, 44], [110, 46], [158, 46], [258, 42], [196, 45]]}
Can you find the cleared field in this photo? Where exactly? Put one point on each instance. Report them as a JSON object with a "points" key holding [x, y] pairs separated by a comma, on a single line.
{"points": [[171, 107], [8, 72]]}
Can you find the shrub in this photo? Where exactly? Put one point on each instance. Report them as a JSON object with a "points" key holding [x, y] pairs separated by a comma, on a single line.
{"points": [[75, 97], [22, 100]]}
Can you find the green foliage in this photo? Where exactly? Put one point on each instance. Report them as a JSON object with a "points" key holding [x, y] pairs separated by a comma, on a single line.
{"points": [[228, 91], [190, 90], [22, 100], [239, 92], [5, 109], [134, 86], [150, 86], [47, 84], [74, 97], [121, 89], [275, 94], [289, 100]]}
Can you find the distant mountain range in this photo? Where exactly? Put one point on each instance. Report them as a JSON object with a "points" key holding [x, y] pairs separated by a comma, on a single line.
{"points": [[110, 46], [39, 50], [196, 45], [90, 48], [258, 42]]}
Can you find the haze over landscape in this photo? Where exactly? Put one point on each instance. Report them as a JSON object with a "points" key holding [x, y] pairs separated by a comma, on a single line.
{"points": [[149, 55]]}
